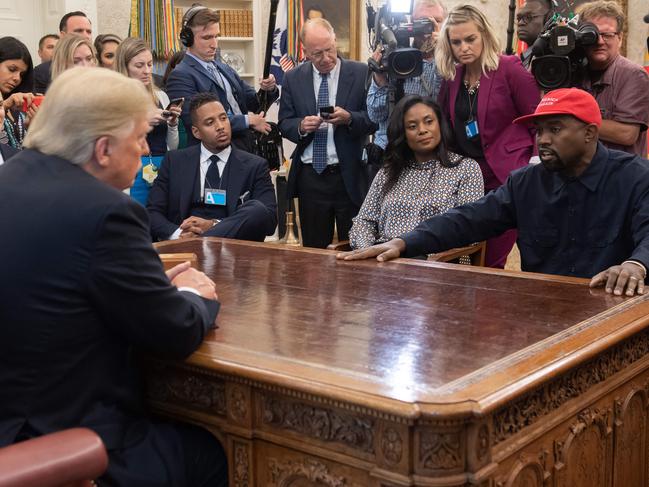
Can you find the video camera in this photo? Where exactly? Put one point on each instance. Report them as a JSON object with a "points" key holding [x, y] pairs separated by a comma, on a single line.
{"points": [[559, 54], [389, 28]]}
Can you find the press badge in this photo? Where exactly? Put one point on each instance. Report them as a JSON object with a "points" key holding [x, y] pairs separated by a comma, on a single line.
{"points": [[214, 197], [471, 128]]}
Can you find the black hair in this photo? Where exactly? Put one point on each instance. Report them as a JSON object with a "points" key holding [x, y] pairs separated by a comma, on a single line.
{"points": [[398, 155], [199, 100], [63, 24], [549, 8], [12, 48], [315, 8], [44, 38]]}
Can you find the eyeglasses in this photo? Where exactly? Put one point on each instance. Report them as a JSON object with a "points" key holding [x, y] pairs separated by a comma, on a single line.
{"points": [[608, 36], [324, 52], [527, 18]]}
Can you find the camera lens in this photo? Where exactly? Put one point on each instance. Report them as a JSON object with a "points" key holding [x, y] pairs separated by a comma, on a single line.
{"points": [[405, 63], [552, 72]]}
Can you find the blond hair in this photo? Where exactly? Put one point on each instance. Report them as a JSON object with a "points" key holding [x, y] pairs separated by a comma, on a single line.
{"points": [[63, 58], [318, 21], [444, 57], [127, 50], [82, 105], [602, 8]]}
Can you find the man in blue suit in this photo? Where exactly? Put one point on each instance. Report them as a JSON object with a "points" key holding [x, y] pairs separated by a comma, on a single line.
{"points": [[212, 189], [323, 111], [200, 72]]}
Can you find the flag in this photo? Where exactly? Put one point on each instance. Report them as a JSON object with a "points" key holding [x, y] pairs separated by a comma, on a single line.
{"points": [[287, 50]]}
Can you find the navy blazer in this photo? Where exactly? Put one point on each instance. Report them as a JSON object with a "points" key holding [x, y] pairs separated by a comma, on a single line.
{"points": [[189, 77], [175, 189], [71, 310], [7, 151], [298, 100]]}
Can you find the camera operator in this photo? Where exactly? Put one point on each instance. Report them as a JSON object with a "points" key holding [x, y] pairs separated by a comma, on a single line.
{"points": [[427, 84], [620, 87], [530, 21]]}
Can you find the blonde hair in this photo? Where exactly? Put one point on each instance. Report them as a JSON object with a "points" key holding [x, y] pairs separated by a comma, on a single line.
{"points": [[126, 51], [63, 58], [444, 57], [82, 105], [318, 21], [602, 8]]}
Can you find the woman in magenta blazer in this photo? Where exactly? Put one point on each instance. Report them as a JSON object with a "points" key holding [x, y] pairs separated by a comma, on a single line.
{"points": [[482, 93]]}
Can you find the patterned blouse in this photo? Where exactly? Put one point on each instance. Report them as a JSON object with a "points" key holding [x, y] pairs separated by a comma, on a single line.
{"points": [[423, 190]]}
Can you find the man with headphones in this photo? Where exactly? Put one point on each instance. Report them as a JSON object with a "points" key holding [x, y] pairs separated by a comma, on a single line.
{"points": [[200, 72]]}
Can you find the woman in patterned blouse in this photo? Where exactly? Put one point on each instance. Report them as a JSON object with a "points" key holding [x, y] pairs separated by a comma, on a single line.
{"points": [[420, 178]]}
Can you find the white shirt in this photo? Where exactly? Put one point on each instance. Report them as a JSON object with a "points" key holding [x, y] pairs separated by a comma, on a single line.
{"points": [[332, 82], [2, 159], [205, 163]]}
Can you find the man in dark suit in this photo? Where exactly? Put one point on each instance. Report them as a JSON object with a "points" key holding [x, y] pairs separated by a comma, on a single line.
{"points": [[212, 189], [199, 72], [83, 287], [71, 23], [6, 151], [326, 172]]}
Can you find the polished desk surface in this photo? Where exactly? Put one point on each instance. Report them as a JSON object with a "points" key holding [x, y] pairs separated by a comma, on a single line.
{"points": [[406, 336]]}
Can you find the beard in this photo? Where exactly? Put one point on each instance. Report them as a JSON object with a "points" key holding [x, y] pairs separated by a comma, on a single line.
{"points": [[552, 162]]}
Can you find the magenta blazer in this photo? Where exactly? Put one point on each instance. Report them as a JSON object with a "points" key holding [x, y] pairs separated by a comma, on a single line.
{"points": [[505, 94]]}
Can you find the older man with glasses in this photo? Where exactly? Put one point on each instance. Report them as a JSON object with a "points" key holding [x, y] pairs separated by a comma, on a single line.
{"points": [[620, 87]]}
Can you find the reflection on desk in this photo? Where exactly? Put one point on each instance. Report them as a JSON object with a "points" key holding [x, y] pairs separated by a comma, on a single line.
{"points": [[333, 373]]}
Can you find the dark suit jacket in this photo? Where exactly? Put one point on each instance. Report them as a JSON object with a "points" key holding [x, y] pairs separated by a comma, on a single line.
{"points": [[7, 151], [505, 94], [299, 100], [81, 287], [189, 78], [177, 186], [42, 77]]}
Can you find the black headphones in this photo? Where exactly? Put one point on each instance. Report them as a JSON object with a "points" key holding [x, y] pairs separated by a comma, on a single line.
{"points": [[186, 33]]}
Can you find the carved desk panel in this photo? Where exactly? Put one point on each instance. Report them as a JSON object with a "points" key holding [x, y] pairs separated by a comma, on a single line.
{"points": [[329, 373]]}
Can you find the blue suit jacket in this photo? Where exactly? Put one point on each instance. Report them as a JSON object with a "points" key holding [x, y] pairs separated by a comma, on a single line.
{"points": [[298, 100], [177, 186], [189, 78]]}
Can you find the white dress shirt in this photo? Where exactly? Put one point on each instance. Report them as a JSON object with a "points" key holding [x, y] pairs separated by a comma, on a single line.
{"points": [[332, 81], [205, 163]]}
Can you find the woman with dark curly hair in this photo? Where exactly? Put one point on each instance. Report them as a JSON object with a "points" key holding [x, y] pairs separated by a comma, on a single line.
{"points": [[16, 85], [420, 177]]}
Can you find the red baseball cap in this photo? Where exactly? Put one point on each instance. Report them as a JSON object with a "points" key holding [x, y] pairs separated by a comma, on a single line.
{"points": [[567, 101]]}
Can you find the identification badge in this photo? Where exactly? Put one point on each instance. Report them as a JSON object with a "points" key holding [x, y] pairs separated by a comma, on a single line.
{"points": [[471, 128], [216, 197], [150, 166]]}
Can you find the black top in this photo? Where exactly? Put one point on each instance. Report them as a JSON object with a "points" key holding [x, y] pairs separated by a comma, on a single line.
{"points": [[157, 138], [466, 108], [569, 226], [42, 77]]}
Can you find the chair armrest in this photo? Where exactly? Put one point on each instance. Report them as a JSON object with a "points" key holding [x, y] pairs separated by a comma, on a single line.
{"points": [[342, 246], [476, 252], [57, 459]]}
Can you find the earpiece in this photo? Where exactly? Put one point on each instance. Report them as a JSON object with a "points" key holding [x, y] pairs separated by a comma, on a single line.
{"points": [[186, 33]]}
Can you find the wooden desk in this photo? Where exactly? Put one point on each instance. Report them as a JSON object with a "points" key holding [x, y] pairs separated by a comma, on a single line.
{"points": [[337, 374]]}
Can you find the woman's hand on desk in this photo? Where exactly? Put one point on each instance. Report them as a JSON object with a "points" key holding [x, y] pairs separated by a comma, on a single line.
{"points": [[383, 252]]}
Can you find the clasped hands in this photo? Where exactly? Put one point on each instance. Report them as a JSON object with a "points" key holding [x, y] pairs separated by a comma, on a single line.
{"points": [[195, 226]]}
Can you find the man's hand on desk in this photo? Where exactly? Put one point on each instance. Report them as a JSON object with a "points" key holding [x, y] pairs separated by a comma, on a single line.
{"points": [[195, 226], [383, 252], [183, 275], [616, 279]]}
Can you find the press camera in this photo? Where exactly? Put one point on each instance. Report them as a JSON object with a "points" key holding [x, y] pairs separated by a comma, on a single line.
{"points": [[559, 52]]}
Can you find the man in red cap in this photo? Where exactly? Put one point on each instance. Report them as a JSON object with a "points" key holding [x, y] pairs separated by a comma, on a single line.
{"points": [[582, 212]]}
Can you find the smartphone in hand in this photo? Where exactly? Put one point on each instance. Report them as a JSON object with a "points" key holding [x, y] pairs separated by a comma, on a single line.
{"points": [[176, 102], [325, 112]]}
